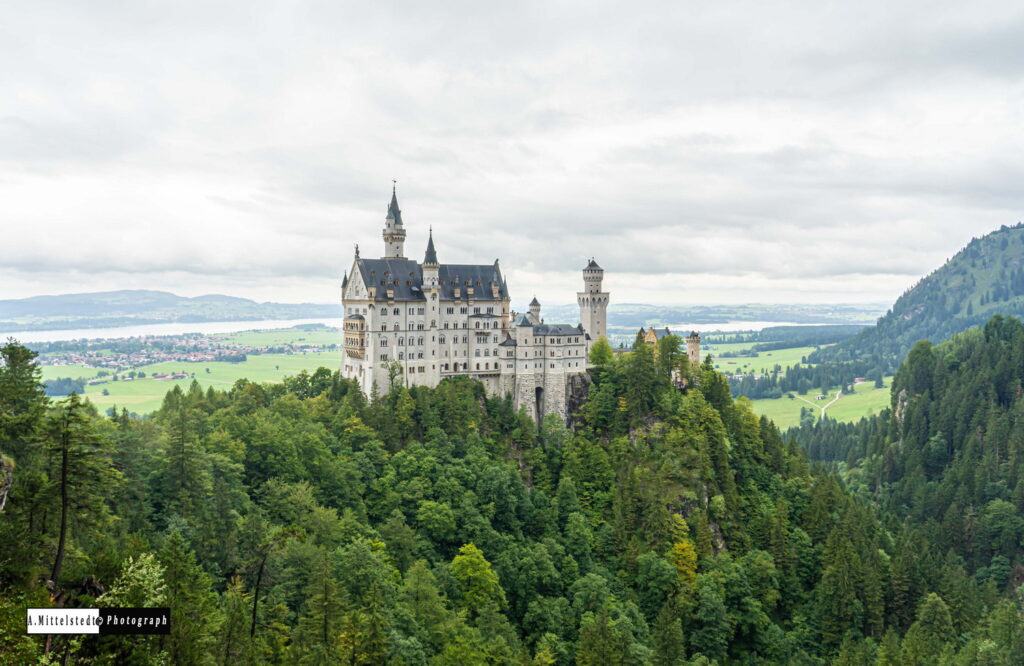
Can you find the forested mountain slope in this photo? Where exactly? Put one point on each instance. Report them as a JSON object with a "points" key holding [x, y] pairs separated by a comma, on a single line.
{"points": [[984, 278], [305, 523]]}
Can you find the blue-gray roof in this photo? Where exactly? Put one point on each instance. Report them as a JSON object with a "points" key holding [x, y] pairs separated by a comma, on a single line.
{"points": [[405, 276], [431, 256], [393, 210], [557, 329]]}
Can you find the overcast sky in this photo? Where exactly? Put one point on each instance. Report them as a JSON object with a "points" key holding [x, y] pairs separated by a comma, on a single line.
{"points": [[703, 152]]}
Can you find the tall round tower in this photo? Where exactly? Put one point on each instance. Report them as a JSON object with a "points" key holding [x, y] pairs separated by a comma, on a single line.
{"points": [[593, 302], [394, 232]]}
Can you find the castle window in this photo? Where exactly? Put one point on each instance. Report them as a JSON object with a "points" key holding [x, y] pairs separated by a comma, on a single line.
{"points": [[383, 357], [476, 352], [412, 310], [449, 310], [490, 310], [477, 324], [383, 327], [476, 310], [419, 355], [419, 310], [433, 323], [401, 355], [477, 366], [395, 311], [462, 310], [487, 352], [396, 325], [420, 341]]}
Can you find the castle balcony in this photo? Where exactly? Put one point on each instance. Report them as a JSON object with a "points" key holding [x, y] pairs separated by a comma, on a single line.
{"points": [[354, 329]]}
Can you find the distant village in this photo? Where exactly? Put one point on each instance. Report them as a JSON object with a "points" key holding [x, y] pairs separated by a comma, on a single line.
{"points": [[125, 354]]}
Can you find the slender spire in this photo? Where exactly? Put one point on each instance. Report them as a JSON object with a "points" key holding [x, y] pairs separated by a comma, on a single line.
{"points": [[394, 212], [431, 256]]}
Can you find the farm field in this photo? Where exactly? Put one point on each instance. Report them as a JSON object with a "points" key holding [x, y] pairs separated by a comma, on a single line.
{"points": [[282, 336], [145, 395], [864, 401], [72, 371], [764, 361]]}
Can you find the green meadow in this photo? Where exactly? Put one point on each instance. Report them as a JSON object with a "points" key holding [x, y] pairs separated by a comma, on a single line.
{"points": [[763, 362], [282, 336], [145, 395], [864, 401]]}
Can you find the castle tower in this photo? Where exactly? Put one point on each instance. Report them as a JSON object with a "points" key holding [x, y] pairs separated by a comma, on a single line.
{"points": [[593, 302], [693, 348], [431, 268], [534, 311], [394, 232]]}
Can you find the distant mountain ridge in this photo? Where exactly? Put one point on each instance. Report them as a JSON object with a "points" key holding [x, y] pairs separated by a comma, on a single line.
{"points": [[983, 279], [128, 307]]}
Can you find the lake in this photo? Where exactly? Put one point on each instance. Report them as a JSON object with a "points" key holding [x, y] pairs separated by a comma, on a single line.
{"points": [[205, 327]]}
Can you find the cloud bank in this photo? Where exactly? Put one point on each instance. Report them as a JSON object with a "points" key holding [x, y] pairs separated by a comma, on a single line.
{"points": [[732, 152]]}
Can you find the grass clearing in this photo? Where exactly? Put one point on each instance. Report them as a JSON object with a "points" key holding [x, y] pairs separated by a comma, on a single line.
{"points": [[864, 401], [282, 336], [72, 371], [763, 362], [145, 395]]}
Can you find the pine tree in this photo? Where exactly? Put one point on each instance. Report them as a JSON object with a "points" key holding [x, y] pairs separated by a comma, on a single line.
{"points": [[929, 637], [195, 619]]}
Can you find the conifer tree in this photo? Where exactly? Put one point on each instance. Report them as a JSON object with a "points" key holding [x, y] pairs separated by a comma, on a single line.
{"points": [[195, 619]]}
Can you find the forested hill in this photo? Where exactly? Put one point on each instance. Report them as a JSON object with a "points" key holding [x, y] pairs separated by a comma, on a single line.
{"points": [[984, 278], [304, 523], [949, 456], [142, 306]]}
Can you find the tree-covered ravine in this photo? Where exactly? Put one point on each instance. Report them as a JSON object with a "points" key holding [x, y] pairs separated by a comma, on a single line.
{"points": [[306, 523]]}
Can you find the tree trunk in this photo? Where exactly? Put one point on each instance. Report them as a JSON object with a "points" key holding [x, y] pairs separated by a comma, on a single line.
{"points": [[256, 595], [59, 559]]}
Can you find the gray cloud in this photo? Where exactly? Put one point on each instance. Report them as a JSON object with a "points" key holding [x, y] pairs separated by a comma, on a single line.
{"points": [[726, 151]]}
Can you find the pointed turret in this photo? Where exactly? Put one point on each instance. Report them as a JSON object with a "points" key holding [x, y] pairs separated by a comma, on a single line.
{"points": [[535, 311], [431, 269], [431, 257], [394, 212], [394, 231]]}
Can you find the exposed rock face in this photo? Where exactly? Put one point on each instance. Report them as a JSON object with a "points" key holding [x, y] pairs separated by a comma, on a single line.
{"points": [[6, 479], [576, 389], [901, 406]]}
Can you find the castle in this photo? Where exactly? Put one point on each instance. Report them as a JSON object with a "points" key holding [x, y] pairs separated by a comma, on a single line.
{"points": [[417, 323]]}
